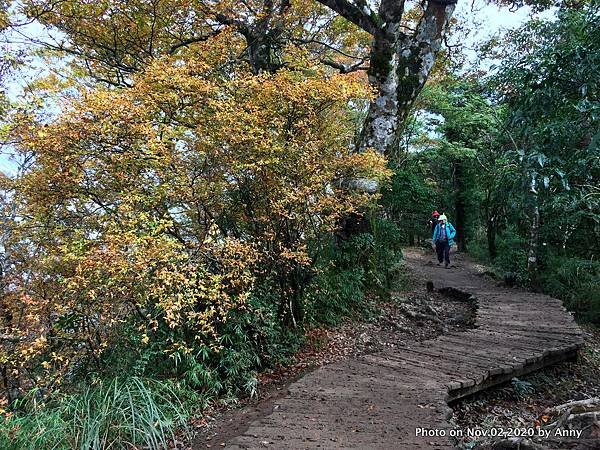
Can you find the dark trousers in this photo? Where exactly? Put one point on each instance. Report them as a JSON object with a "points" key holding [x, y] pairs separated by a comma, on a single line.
{"points": [[442, 249]]}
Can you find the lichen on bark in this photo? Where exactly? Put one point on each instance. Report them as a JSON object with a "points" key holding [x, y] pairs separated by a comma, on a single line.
{"points": [[400, 64]]}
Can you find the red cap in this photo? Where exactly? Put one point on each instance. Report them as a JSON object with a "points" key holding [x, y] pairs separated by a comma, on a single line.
{"points": [[435, 213]]}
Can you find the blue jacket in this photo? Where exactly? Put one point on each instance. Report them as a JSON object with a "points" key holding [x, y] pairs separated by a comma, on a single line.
{"points": [[450, 232]]}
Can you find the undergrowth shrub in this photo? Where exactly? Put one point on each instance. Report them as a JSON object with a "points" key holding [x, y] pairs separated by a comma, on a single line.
{"points": [[250, 340], [335, 293], [478, 247], [511, 254], [116, 413], [575, 281], [353, 273], [387, 254]]}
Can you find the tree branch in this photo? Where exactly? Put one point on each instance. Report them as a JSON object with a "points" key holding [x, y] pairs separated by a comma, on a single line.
{"points": [[329, 46], [193, 40], [345, 68], [242, 27], [362, 18], [444, 2], [391, 11]]}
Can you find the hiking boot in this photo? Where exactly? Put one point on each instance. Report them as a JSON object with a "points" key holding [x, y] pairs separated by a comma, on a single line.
{"points": [[439, 264]]}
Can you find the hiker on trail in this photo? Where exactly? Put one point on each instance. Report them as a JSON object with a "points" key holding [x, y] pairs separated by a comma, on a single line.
{"points": [[434, 220], [443, 238]]}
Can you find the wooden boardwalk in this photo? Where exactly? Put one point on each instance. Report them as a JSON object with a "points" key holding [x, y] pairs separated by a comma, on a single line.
{"points": [[398, 399]]}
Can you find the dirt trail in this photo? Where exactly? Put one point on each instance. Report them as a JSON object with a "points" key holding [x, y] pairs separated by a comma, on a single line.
{"points": [[398, 398]]}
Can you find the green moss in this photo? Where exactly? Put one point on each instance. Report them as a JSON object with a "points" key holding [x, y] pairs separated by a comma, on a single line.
{"points": [[408, 83], [377, 20], [381, 62]]}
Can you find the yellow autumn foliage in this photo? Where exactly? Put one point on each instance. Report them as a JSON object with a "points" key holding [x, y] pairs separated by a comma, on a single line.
{"points": [[156, 209]]}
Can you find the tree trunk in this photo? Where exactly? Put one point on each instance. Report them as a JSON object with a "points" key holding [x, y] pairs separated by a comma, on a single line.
{"points": [[262, 51], [263, 36], [490, 226], [381, 124], [459, 206], [491, 238], [532, 254], [408, 68], [400, 63]]}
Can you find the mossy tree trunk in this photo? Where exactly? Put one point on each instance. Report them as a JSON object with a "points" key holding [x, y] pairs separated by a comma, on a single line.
{"points": [[400, 62]]}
